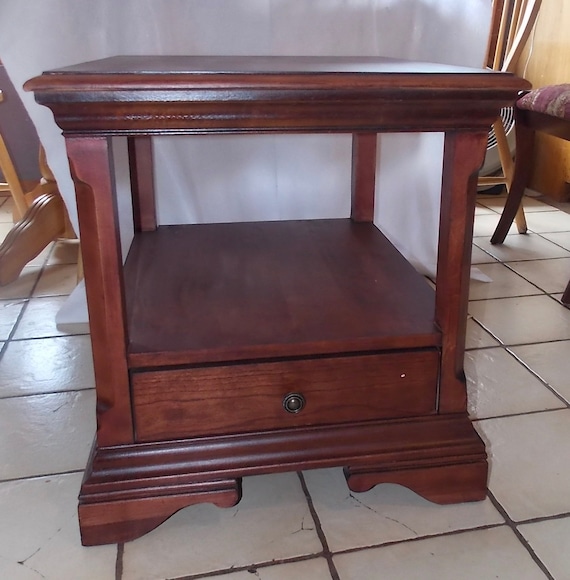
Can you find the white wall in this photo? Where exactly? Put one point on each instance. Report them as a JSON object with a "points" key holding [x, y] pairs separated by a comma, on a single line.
{"points": [[272, 177]]}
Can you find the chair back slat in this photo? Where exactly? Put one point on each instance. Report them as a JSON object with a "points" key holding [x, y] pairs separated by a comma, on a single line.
{"points": [[526, 23], [513, 21]]}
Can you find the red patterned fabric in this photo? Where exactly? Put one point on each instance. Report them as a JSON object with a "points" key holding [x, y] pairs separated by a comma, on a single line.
{"points": [[552, 100]]}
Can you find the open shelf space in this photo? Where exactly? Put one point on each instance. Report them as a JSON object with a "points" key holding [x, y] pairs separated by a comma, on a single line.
{"points": [[260, 290]]}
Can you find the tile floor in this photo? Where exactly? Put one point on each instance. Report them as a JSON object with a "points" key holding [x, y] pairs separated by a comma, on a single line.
{"points": [[308, 526]]}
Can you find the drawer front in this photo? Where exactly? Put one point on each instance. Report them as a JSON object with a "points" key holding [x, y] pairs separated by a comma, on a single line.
{"points": [[227, 399]]}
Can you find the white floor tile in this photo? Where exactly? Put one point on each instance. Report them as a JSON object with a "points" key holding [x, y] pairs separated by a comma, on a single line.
{"points": [[481, 209], [492, 202], [560, 238], [386, 513], [529, 463], [44, 434], [64, 252], [46, 365], [551, 361], [496, 203], [531, 205], [6, 215], [503, 283], [552, 221], [38, 320], [41, 258], [16, 571], [477, 555], [57, 280], [549, 275], [271, 522], [477, 336], [497, 384], [9, 312], [518, 247], [523, 319], [550, 540], [5, 227], [39, 533], [485, 225], [22, 287], [478, 256]]}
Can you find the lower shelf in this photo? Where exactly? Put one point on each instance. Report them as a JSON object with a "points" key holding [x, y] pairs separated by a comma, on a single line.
{"points": [[129, 490], [205, 293]]}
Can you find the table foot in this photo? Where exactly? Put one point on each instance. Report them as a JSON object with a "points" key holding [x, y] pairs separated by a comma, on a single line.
{"points": [[123, 520], [443, 484]]}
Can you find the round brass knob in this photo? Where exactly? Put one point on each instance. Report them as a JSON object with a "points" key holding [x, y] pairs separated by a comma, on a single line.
{"points": [[293, 402]]}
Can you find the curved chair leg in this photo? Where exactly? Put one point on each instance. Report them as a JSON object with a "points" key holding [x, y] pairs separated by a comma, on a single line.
{"points": [[566, 295], [42, 223], [520, 220], [523, 166]]}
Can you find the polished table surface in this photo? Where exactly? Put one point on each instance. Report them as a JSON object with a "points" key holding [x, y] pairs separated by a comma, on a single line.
{"points": [[183, 64], [192, 94]]}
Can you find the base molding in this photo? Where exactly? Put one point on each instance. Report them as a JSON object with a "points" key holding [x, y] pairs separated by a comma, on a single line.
{"points": [[129, 490], [443, 484]]}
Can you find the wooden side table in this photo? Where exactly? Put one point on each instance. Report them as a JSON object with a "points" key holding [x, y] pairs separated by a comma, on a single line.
{"points": [[226, 350]]}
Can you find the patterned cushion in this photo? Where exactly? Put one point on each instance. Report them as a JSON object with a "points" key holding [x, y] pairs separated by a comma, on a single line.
{"points": [[552, 100]]}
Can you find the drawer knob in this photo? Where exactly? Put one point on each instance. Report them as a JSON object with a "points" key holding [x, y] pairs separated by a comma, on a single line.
{"points": [[293, 402]]}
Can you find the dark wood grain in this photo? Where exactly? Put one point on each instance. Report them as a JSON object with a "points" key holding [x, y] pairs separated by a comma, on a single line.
{"points": [[125, 95], [142, 183], [439, 456], [364, 151], [242, 398], [92, 169], [271, 289], [462, 158], [206, 328]]}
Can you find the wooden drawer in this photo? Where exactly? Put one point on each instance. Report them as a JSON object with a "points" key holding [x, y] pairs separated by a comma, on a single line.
{"points": [[240, 398]]}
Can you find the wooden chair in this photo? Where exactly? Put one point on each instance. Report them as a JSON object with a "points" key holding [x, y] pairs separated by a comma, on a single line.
{"points": [[39, 213], [546, 109], [513, 21]]}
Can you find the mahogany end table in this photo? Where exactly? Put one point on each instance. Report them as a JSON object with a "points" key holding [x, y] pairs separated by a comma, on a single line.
{"points": [[226, 350]]}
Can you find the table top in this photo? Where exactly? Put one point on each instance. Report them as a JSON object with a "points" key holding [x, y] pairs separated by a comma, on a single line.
{"points": [[283, 65], [221, 94]]}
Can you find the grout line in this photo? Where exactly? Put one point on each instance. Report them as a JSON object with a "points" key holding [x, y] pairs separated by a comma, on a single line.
{"points": [[550, 387], [420, 538], [250, 568], [522, 414], [42, 393], [42, 476], [513, 526], [541, 519], [50, 336], [26, 300], [319, 528]]}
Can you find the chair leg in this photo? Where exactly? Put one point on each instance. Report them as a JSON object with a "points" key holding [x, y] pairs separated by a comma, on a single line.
{"points": [[566, 295], [520, 220], [523, 166]]}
